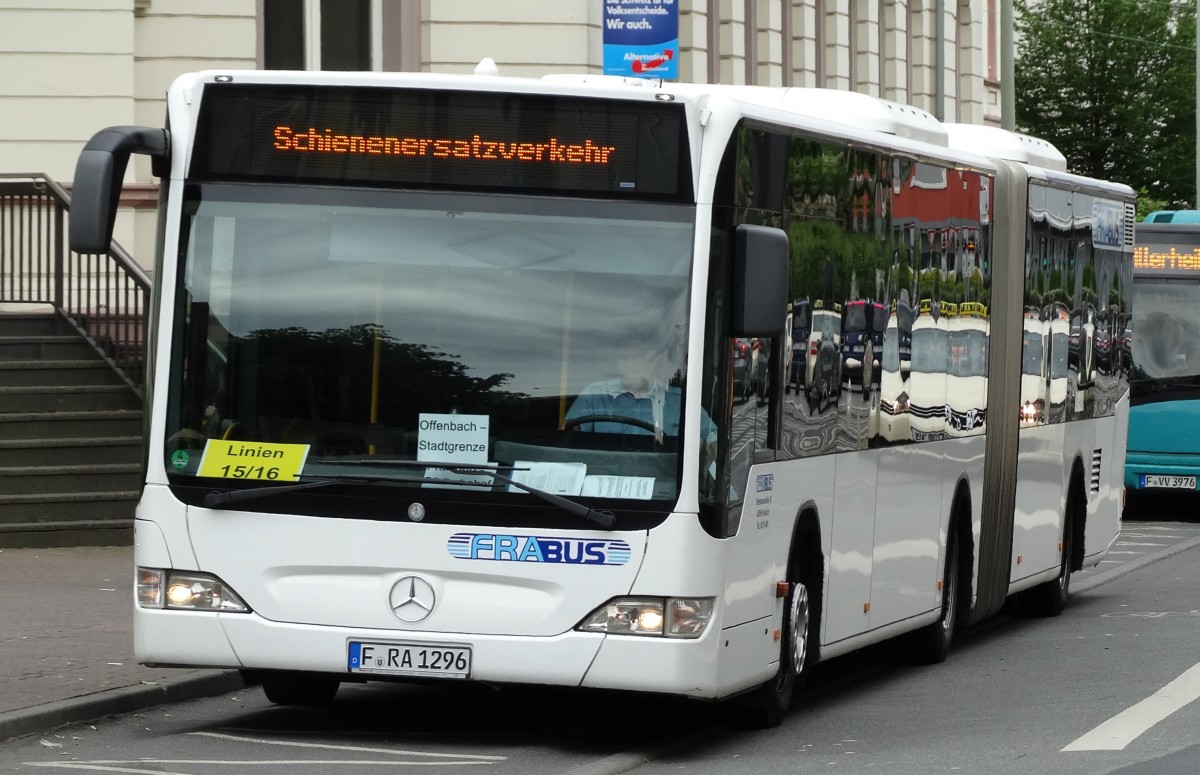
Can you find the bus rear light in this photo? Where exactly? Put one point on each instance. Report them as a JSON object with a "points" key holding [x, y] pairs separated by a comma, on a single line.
{"points": [[651, 616], [158, 588]]}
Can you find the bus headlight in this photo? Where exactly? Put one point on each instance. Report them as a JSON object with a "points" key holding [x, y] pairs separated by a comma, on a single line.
{"points": [[671, 617], [187, 591]]}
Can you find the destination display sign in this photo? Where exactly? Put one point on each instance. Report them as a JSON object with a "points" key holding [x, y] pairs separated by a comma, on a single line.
{"points": [[1179, 260], [423, 138]]}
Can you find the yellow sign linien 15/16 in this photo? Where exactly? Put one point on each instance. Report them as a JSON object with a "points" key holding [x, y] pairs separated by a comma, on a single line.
{"points": [[253, 460]]}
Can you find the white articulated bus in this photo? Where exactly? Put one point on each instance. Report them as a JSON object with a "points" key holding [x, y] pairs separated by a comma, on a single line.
{"points": [[443, 385]]}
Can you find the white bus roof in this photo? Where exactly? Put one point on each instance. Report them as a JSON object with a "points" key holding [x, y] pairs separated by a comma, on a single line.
{"points": [[861, 111], [997, 143], [855, 116]]}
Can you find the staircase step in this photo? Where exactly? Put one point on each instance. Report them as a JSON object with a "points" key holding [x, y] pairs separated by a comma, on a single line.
{"points": [[41, 425], [49, 480], [48, 348], [27, 373], [67, 398], [46, 511], [29, 324], [81, 532], [70, 451]]}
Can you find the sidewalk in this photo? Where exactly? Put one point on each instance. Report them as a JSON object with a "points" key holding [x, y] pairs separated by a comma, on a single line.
{"points": [[66, 644]]}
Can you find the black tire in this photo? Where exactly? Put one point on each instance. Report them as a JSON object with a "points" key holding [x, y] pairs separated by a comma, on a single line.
{"points": [[766, 706], [931, 644], [286, 688], [1050, 597]]}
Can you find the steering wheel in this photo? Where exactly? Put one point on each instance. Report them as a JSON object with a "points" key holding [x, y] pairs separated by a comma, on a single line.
{"points": [[574, 422]]}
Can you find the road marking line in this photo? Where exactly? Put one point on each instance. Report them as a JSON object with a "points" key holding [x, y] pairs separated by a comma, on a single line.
{"points": [[108, 766], [1125, 727], [356, 748]]}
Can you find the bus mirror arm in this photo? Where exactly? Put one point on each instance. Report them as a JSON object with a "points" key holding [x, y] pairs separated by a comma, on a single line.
{"points": [[96, 190]]}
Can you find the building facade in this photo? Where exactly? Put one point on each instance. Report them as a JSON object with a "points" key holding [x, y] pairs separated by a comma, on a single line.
{"points": [[75, 66]]}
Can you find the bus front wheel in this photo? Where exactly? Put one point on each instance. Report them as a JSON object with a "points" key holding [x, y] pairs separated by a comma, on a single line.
{"points": [[1050, 597], [767, 705], [289, 688]]}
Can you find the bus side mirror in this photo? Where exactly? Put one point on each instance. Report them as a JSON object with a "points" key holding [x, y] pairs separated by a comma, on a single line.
{"points": [[760, 281], [96, 190]]}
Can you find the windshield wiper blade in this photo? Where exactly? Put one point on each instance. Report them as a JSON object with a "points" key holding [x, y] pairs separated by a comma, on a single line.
{"points": [[219, 499], [605, 519]]}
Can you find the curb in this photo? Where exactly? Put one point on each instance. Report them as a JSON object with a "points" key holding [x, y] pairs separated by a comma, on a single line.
{"points": [[43, 718]]}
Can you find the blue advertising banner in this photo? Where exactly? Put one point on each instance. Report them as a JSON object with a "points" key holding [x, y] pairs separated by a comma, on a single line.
{"points": [[641, 38]]}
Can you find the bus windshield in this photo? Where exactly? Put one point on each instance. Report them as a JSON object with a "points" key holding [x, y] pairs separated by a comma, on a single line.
{"points": [[891, 350], [365, 326], [929, 350], [1032, 357], [969, 352], [856, 317], [1167, 321]]}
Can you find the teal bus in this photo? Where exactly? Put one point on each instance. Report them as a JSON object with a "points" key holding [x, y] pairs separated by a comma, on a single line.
{"points": [[1163, 454]]}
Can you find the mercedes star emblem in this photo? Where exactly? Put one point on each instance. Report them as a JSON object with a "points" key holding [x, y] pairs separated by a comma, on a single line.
{"points": [[412, 599]]}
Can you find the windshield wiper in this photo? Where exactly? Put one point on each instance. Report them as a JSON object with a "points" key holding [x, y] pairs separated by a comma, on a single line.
{"points": [[222, 499], [605, 519]]}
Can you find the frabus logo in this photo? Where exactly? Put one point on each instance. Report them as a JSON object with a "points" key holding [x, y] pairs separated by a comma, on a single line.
{"points": [[525, 548]]}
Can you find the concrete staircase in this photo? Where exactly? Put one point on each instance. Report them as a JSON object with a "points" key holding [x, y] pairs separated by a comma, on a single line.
{"points": [[70, 439]]}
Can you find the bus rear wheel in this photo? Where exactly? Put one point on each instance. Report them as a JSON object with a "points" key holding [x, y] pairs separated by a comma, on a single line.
{"points": [[1050, 597]]}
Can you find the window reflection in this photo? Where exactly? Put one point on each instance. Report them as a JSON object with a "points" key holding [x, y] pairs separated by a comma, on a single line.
{"points": [[887, 338]]}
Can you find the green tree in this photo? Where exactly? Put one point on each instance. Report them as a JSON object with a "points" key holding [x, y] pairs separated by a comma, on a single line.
{"points": [[1111, 83], [1147, 204]]}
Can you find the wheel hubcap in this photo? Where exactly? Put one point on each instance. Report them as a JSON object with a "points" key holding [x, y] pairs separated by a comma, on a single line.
{"points": [[799, 620], [951, 593]]}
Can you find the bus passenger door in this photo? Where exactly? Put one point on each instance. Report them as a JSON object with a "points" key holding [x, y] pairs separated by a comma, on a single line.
{"points": [[848, 609]]}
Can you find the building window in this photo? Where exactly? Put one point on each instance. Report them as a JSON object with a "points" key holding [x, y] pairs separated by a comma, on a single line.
{"points": [[320, 34]]}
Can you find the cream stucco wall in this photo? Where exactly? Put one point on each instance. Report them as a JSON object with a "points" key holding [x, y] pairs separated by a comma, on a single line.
{"points": [[72, 67], [524, 38], [68, 69]]}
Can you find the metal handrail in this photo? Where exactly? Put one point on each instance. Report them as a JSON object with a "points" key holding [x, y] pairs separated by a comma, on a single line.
{"points": [[105, 297]]}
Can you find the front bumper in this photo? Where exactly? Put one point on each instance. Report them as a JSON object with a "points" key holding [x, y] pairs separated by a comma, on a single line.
{"points": [[248, 641]]}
